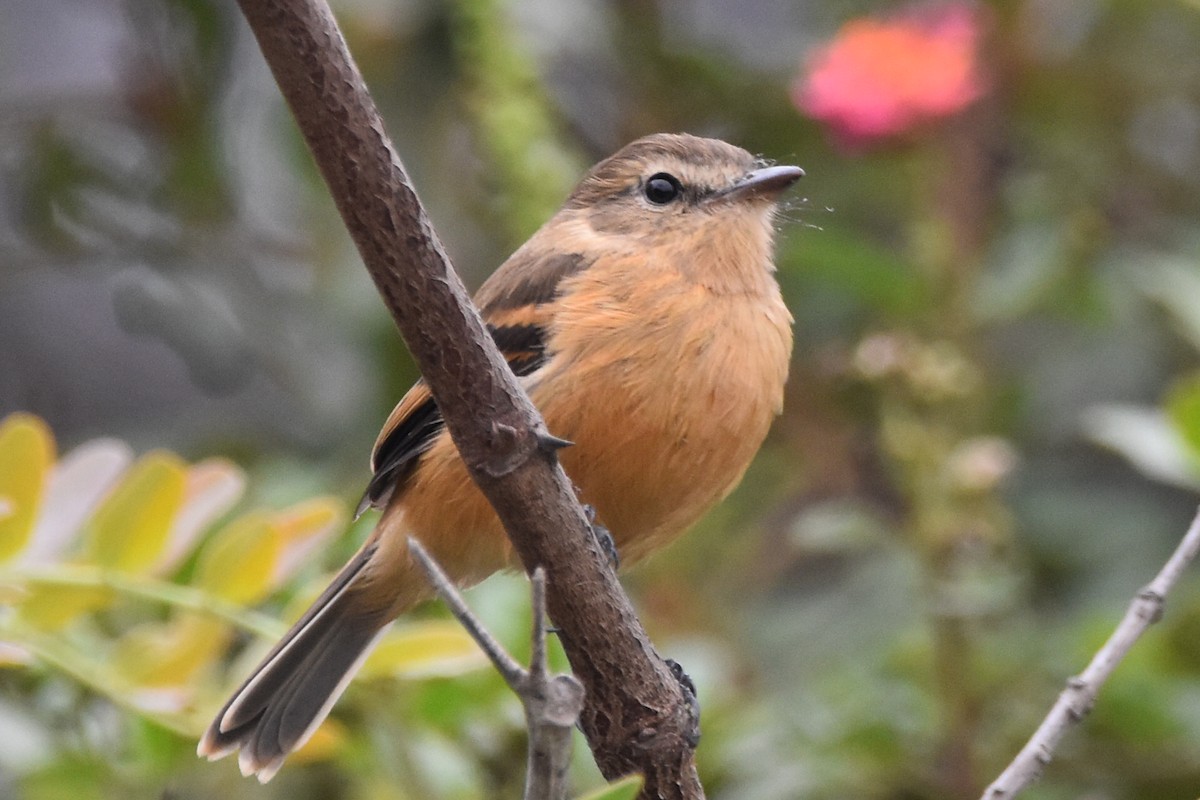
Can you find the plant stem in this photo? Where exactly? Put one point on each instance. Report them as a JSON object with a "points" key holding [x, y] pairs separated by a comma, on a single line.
{"points": [[147, 588]]}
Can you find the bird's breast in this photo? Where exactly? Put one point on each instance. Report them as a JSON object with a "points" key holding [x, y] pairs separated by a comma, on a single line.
{"points": [[667, 389]]}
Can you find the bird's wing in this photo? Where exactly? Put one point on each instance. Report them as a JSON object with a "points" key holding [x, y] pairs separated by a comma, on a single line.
{"points": [[517, 305], [410, 429]]}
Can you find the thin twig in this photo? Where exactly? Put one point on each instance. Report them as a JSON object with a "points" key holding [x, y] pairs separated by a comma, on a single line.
{"points": [[538, 658], [512, 672], [1077, 699], [552, 703]]}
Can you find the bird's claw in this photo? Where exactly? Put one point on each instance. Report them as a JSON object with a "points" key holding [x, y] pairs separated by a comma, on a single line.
{"points": [[603, 537], [692, 734]]}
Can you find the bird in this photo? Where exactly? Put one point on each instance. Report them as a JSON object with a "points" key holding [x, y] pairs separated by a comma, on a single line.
{"points": [[645, 323]]}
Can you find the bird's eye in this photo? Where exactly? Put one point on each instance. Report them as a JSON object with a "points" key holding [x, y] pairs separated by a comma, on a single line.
{"points": [[662, 188]]}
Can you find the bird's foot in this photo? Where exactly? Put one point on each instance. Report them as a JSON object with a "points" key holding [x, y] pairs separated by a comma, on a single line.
{"points": [[692, 733], [603, 537]]}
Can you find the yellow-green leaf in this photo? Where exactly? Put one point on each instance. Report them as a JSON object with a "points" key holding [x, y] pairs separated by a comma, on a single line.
{"points": [[129, 530], [211, 488], [1183, 408], [626, 788], [424, 649], [326, 742], [237, 564], [78, 483], [26, 455], [51, 608], [310, 518], [301, 529], [171, 653]]}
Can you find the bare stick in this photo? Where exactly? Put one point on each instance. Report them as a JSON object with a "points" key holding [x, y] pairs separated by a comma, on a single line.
{"points": [[512, 672], [636, 716], [1077, 699], [552, 703]]}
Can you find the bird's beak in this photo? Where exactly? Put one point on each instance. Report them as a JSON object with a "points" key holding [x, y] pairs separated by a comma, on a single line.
{"points": [[766, 183]]}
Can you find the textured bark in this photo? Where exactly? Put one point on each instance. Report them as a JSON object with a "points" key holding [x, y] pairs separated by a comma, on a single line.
{"points": [[636, 716]]}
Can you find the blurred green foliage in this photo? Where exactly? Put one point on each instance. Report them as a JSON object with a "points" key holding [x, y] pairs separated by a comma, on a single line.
{"points": [[131, 579], [991, 436]]}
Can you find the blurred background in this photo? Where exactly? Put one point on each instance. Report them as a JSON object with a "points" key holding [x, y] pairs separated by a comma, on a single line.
{"points": [[991, 436]]}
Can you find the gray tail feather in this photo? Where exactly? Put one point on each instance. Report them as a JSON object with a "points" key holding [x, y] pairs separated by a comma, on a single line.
{"points": [[291, 691]]}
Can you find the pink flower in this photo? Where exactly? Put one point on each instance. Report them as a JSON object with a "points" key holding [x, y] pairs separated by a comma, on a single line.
{"points": [[882, 77]]}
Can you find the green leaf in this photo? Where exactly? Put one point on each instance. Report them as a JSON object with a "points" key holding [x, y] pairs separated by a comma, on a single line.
{"points": [[70, 775], [77, 485], [52, 608], [129, 530], [237, 564], [626, 788], [1146, 437], [1023, 272], [872, 275], [254, 554], [327, 741], [211, 489], [26, 455], [1183, 409], [169, 654], [1175, 283], [301, 529], [435, 648]]}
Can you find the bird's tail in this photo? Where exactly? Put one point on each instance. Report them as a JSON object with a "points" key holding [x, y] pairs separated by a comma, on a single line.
{"points": [[291, 691]]}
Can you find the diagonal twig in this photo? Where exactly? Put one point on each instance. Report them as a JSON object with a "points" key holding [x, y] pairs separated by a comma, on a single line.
{"points": [[1077, 699], [552, 703]]}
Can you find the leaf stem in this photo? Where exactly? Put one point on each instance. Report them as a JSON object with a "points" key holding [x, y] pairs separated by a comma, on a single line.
{"points": [[147, 588]]}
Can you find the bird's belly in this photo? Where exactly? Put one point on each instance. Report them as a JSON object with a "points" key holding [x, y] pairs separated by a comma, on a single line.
{"points": [[667, 431], [651, 471]]}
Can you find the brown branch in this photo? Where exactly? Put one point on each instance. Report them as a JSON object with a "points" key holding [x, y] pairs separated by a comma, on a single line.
{"points": [[1077, 699], [636, 716]]}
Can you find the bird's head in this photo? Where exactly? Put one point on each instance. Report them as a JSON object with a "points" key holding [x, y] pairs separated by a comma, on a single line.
{"points": [[676, 182]]}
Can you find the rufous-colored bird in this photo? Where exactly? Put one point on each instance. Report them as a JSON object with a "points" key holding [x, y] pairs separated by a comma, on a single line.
{"points": [[645, 323]]}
